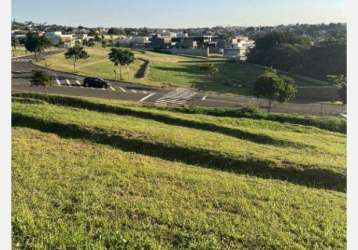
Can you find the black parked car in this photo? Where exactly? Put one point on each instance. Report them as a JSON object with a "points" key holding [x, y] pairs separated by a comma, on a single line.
{"points": [[95, 83]]}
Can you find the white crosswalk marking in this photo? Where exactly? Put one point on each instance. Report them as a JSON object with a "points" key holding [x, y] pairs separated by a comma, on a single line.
{"points": [[21, 60], [58, 82], [177, 96], [113, 89], [134, 91], [78, 83], [68, 82], [204, 98], [146, 97], [122, 89]]}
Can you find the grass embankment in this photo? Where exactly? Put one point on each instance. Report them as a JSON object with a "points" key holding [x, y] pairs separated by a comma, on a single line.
{"points": [[170, 70], [90, 173]]}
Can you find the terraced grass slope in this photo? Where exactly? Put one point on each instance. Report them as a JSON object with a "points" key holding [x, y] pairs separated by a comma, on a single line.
{"points": [[97, 174]]}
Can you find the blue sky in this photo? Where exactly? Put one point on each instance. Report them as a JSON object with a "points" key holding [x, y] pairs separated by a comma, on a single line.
{"points": [[178, 13]]}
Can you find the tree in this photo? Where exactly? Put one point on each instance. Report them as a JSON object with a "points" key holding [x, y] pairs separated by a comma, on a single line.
{"points": [[340, 81], [143, 32], [275, 39], [116, 56], [211, 69], [228, 36], [89, 43], [115, 31], [120, 58], [76, 53], [41, 79], [294, 53], [13, 45], [36, 44], [97, 38], [274, 87], [127, 59]]}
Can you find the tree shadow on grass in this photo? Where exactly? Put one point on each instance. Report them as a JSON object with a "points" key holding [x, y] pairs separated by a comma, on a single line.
{"points": [[176, 121], [318, 178]]}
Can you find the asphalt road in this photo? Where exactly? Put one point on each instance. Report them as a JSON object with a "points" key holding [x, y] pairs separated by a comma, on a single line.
{"points": [[70, 84]]}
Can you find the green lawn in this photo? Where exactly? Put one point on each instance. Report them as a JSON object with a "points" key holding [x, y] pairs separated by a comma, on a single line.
{"points": [[170, 70], [19, 51], [97, 174]]}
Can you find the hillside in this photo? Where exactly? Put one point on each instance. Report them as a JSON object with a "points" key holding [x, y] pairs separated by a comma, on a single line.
{"points": [[102, 174]]}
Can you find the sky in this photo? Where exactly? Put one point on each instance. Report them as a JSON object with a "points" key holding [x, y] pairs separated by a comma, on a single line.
{"points": [[178, 13]]}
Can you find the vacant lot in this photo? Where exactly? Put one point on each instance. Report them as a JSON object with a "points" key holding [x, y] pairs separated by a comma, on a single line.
{"points": [[170, 70], [96, 174]]}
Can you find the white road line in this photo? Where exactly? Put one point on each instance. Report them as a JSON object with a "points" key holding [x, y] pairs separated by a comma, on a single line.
{"points": [[146, 97], [68, 82], [103, 88], [204, 98], [58, 82], [145, 92], [172, 102], [122, 89], [113, 89], [78, 83]]}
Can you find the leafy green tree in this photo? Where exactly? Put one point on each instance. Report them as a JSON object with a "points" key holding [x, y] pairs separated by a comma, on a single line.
{"points": [[13, 45], [90, 42], [275, 39], [128, 58], [36, 44], [211, 69], [76, 53], [143, 32], [129, 31], [104, 43], [274, 87], [97, 38], [120, 58], [294, 53], [228, 36], [41, 79], [340, 81], [115, 56], [115, 31]]}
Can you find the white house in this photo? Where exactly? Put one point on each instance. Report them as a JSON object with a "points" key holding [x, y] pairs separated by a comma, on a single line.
{"points": [[57, 38]]}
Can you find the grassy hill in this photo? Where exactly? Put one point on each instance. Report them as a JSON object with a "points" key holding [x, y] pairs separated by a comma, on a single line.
{"points": [[98, 174], [170, 70]]}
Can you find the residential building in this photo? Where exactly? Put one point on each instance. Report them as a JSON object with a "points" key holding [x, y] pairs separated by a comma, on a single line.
{"points": [[186, 43], [158, 42], [58, 39]]}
